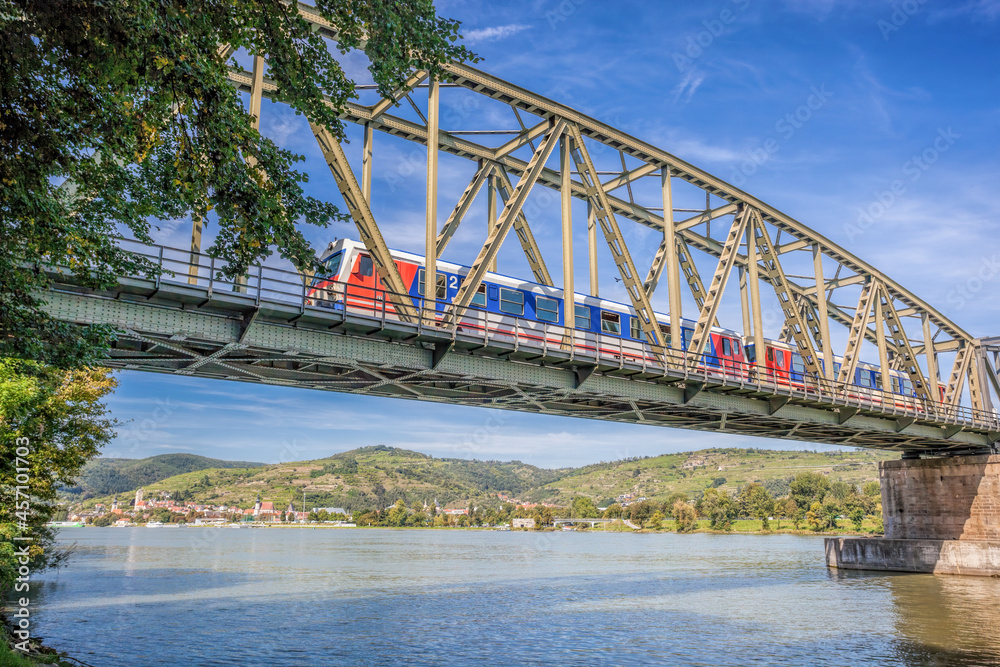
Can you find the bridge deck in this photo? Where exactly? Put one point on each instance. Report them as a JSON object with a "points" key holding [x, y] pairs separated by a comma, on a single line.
{"points": [[268, 334]]}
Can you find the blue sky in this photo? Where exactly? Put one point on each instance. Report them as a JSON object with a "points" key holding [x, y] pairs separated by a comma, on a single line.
{"points": [[816, 107]]}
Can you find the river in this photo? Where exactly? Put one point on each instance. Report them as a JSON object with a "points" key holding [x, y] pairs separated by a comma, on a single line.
{"points": [[205, 596]]}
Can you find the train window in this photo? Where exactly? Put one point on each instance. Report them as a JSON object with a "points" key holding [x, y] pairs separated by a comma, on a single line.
{"points": [[333, 264], [442, 290], [636, 330], [582, 317], [511, 301], [546, 309], [770, 354], [665, 334], [365, 266], [876, 380], [751, 354], [727, 347], [866, 378], [479, 298], [493, 292], [798, 365], [610, 323], [836, 369]]}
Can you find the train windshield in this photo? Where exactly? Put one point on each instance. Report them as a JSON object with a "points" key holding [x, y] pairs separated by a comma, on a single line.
{"points": [[333, 264]]}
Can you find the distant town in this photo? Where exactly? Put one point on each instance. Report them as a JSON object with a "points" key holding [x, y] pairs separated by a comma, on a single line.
{"points": [[160, 509]]}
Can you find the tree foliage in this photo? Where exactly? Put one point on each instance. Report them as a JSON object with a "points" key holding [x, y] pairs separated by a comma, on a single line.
{"points": [[51, 423], [116, 113]]}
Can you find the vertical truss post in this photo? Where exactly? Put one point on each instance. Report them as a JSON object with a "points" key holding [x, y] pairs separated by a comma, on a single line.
{"points": [[730, 249], [431, 231], [511, 210], [823, 314], [883, 352], [616, 243], [744, 301], [566, 201], [196, 227], [976, 384], [491, 213], [366, 162], [256, 95], [856, 334], [368, 230], [592, 247], [753, 278], [672, 264], [931, 357], [786, 299]]}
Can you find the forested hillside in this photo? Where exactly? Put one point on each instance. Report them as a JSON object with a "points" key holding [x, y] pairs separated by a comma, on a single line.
{"points": [[102, 477]]}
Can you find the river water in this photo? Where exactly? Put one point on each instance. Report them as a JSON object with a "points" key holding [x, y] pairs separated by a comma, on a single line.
{"points": [[183, 596]]}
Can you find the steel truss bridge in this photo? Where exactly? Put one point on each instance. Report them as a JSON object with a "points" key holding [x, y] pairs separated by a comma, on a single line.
{"points": [[263, 328]]}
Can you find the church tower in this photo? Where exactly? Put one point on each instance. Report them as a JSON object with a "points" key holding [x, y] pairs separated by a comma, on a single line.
{"points": [[138, 496], [256, 507]]}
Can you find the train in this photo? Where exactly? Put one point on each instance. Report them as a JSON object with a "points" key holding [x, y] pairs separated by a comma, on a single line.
{"points": [[504, 306]]}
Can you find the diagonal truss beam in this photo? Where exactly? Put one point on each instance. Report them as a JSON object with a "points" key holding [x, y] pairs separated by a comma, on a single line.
{"points": [[497, 234], [959, 370], [523, 232], [523, 139], [365, 222], [387, 103], [786, 299], [616, 243], [905, 359], [718, 285], [691, 275], [462, 207], [856, 332]]}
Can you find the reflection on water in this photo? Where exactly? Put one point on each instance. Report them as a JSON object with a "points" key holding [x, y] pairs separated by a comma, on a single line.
{"points": [[291, 597]]}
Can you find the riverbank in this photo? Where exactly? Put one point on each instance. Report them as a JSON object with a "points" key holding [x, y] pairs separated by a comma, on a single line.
{"points": [[38, 653]]}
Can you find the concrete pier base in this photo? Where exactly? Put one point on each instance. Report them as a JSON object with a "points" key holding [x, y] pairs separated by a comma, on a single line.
{"points": [[941, 516], [969, 557]]}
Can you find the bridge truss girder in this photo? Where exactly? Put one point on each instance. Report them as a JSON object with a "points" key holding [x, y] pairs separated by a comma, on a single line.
{"points": [[809, 304], [222, 334]]}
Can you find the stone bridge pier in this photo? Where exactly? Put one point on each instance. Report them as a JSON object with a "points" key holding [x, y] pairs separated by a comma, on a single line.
{"points": [[942, 515]]}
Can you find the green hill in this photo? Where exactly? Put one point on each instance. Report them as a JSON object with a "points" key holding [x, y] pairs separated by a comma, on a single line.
{"points": [[102, 477], [692, 472], [372, 477]]}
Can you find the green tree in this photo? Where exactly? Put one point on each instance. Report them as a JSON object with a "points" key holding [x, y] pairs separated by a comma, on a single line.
{"points": [[614, 511], [756, 502], [685, 516], [668, 505], [51, 423], [582, 508], [872, 489], [130, 102], [397, 514], [103, 521], [718, 508], [857, 517], [809, 487]]}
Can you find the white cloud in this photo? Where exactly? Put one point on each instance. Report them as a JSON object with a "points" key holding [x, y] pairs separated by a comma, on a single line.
{"points": [[494, 33], [687, 87]]}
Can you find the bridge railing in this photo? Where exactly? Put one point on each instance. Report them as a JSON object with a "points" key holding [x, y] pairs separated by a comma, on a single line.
{"points": [[282, 286]]}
